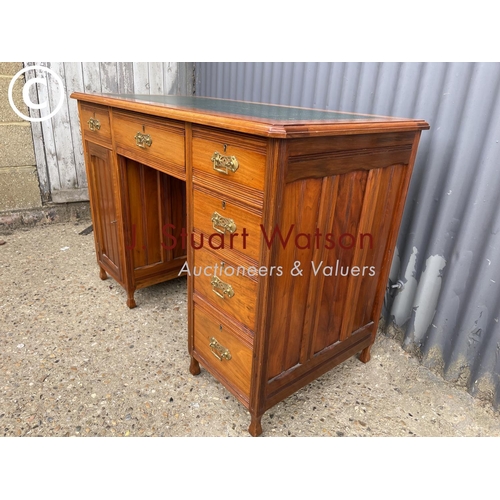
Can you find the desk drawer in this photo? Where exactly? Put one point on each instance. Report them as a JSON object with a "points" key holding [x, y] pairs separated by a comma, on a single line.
{"points": [[214, 215], [231, 158], [161, 140], [95, 122], [227, 287], [225, 353]]}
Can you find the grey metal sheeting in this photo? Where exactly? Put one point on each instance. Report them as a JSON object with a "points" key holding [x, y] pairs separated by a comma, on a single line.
{"points": [[448, 247]]}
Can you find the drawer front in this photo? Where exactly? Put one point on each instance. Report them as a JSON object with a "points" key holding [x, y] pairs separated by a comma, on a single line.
{"points": [[163, 141], [226, 286], [95, 121], [223, 222], [224, 352], [230, 158]]}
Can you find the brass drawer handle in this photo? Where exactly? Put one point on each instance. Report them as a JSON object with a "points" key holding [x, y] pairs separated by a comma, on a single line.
{"points": [[223, 224], [143, 140], [94, 124], [220, 352], [220, 288], [223, 163]]}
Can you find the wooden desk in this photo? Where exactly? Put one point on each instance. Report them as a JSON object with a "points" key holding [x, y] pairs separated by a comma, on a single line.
{"points": [[286, 219]]}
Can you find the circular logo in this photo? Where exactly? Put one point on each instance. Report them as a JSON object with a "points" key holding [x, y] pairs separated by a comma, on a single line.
{"points": [[26, 90]]}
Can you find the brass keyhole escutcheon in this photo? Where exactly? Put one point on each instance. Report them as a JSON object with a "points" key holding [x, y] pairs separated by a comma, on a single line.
{"points": [[223, 205]]}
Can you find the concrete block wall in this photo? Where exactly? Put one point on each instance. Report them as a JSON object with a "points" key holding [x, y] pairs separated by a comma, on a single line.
{"points": [[19, 187]]}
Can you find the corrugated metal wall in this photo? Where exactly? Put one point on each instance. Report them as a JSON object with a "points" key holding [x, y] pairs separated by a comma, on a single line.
{"points": [[60, 164], [448, 253]]}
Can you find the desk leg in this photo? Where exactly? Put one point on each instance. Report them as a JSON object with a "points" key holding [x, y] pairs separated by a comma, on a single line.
{"points": [[255, 428], [130, 299], [194, 367], [102, 273], [365, 354]]}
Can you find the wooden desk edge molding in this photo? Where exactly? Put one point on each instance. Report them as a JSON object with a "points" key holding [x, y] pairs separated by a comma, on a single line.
{"points": [[289, 214]]}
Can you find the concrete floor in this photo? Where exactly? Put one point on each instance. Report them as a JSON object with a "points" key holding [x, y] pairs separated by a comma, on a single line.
{"points": [[75, 361]]}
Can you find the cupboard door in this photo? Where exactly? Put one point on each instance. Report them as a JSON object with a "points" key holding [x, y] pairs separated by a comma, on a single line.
{"points": [[102, 189]]}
